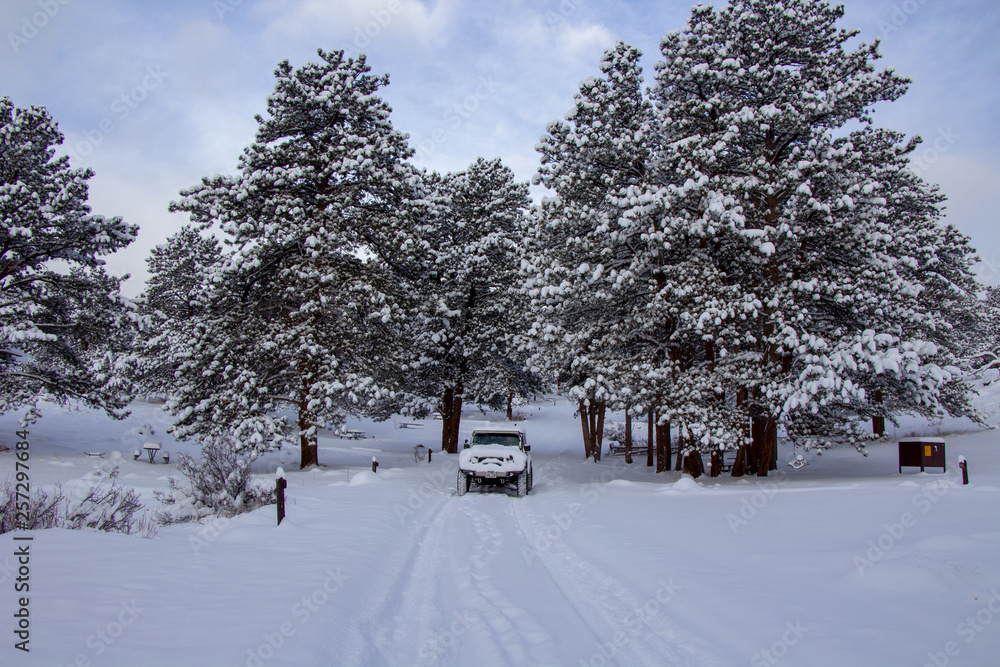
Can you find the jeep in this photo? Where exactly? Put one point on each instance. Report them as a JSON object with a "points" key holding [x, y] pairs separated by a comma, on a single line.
{"points": [[496, 457]]}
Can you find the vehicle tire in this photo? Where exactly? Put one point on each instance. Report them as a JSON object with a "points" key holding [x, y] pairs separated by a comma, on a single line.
{"points": [[463, 483], [522, 484], [531, 479]]}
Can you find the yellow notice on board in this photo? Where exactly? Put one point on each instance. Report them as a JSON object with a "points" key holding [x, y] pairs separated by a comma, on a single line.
{"points": [[927, 450]]}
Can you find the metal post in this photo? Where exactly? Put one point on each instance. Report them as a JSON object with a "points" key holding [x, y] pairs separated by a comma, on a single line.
{"points": [[964, 465], [429, 452]]}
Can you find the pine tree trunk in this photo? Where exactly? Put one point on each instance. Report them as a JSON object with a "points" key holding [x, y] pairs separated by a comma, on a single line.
{"points": [[585, 423], [768, 457], [758, 436], [878, 423], [650, 420], [740, 465], [599, 434], [308, 444], [456, 416], [628, 437], [510, 402], [715, 463], [681, 443], [447, 419], [772, 443], [693, 464], [662, 447]]}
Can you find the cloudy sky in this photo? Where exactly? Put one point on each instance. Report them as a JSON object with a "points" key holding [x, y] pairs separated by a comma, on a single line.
{"points": [[155, 95]]}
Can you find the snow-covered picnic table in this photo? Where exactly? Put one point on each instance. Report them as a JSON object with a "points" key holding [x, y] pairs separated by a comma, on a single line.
{"points": [[151, 449]]}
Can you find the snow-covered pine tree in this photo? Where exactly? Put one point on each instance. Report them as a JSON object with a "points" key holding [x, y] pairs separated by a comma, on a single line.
{"points": [[298, 314], [577, 271], [467, 309], [64, 332], [987, 329], [172, 303], [801, 224], [177, 271]]}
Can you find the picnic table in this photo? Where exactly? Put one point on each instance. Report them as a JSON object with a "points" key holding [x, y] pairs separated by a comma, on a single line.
{"points": [[151, 449], [354, 434]]}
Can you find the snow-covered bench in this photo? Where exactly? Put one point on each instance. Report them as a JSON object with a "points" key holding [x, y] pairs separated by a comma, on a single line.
{"points": [[410, 425]]}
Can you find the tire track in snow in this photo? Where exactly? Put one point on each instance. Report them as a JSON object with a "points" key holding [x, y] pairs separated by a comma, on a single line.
{"points": [[608, 606], [398, 614], [520, 638]]}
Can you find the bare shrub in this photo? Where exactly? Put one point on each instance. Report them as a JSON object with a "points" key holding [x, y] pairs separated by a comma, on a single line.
{"points": [[110, 507], [107, 507], [43, 510], [219, 483]]}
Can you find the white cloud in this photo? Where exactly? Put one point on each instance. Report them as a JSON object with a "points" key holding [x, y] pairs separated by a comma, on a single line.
{"points": [[359, 21]]}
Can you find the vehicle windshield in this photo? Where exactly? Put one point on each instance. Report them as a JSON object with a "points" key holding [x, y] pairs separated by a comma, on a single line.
{"points": [[508, 439]]}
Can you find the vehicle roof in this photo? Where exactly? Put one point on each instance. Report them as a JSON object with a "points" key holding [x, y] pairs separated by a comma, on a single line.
{"points": [[499, 429]]}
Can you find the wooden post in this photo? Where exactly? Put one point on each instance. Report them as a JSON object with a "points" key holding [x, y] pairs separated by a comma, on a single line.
{"points": [[429, 452], [279, 486], [374, 464], [964, 465]]}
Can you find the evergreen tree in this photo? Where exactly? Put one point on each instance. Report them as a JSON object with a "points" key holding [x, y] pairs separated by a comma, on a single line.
{"points": [[466, 307], [172, 304], [65, 332], [809, 230], [177, 271], [578, 271], [297, 314]]}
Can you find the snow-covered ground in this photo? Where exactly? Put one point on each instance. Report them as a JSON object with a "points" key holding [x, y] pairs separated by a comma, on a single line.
{"points": [[843, 562]]}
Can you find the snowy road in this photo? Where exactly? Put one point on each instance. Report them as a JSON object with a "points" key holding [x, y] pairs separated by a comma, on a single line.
{"points": [[489, 579]]}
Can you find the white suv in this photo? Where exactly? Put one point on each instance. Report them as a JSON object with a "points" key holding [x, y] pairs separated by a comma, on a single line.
{"points": [[496, 457]]}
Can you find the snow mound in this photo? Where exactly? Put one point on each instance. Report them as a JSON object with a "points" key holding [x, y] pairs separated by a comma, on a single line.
{"points": [[364, 477], [621, 483], [685, 483]]}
